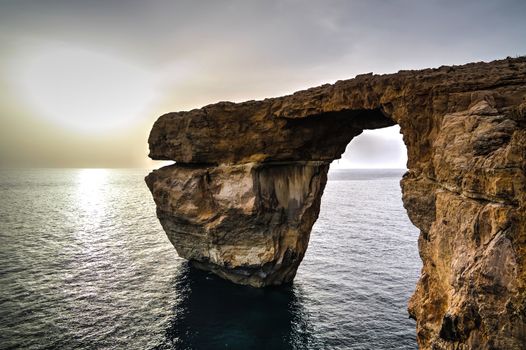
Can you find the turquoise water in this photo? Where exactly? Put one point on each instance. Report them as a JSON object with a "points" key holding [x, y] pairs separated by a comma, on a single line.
{"points": [[84, 264]]}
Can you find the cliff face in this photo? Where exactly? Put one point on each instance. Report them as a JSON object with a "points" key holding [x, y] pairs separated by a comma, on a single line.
{"points": [[246, 188], [249, 223]]}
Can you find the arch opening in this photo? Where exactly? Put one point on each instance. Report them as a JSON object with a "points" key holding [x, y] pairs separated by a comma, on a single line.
{"points": [[363, 252], [382, 148]]}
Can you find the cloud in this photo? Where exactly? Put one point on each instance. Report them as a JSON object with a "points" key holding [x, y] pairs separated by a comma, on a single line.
{"points": [[206, 51], [382, 148]]}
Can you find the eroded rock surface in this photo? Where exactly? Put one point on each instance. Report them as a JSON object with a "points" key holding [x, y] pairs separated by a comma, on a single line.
{"points": [[246, 188], [249, 223]]}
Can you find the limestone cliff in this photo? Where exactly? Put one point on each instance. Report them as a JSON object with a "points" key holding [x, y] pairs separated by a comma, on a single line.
{"points": [[246, 187]]}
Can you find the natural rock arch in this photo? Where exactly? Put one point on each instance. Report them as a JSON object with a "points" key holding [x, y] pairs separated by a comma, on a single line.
{"points": [[246, 188]]}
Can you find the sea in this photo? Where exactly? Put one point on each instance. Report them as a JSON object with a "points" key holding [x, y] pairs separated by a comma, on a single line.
{"points": [[85, 264]]}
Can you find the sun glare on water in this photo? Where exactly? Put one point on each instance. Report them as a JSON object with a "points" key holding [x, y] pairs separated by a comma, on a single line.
{"points": [[91, 185], [82, 90]]}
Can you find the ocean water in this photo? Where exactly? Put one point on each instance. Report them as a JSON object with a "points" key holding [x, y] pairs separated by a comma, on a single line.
{"points": [[84, 264]]}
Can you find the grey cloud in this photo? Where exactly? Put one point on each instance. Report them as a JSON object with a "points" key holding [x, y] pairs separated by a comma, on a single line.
{"points": [[290, 33], [370, 149], [243, 49]]}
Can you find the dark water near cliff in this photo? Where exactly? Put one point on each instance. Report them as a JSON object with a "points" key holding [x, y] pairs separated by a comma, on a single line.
{"points": [[84, 264]]}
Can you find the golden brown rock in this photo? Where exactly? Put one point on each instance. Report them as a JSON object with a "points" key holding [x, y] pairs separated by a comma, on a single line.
{"points": [[246, 189], [249, 223]]}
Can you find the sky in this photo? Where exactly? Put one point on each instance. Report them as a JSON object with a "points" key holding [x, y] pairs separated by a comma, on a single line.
{"points": [[82, 82]]}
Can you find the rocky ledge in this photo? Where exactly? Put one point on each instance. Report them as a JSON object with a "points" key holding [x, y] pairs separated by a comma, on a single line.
{"points": [[246, 188]]}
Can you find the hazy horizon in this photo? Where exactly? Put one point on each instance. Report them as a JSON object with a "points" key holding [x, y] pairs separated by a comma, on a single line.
{"points": [[83, 82]]}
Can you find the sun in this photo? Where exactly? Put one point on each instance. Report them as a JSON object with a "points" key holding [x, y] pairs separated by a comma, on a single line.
{"points": [[84, 90]]}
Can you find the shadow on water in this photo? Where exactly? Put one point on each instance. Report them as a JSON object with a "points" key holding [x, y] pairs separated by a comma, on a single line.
{"points": [[211, 313]]}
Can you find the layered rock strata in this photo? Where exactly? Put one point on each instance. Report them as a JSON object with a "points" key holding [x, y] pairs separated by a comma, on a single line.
{"points": [[249, 223], [246, 187]]}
